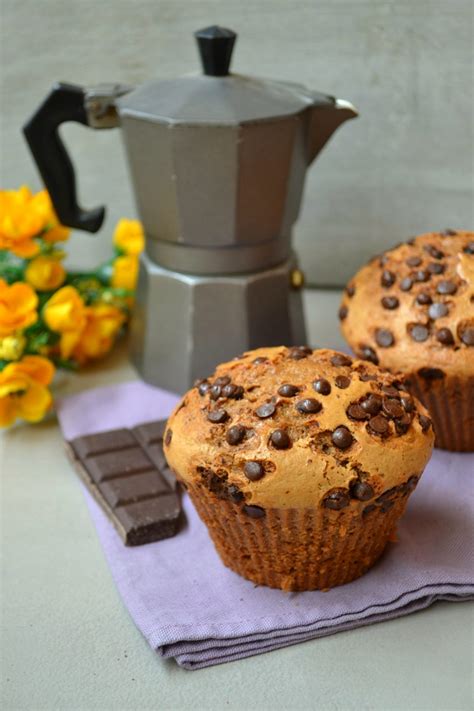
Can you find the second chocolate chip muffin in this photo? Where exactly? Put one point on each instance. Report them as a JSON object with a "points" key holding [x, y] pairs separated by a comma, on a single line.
{"points": [[412, 311], [300, 463]]}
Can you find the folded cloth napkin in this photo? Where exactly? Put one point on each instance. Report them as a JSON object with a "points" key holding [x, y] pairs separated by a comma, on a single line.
{"points": [[190, 607]]}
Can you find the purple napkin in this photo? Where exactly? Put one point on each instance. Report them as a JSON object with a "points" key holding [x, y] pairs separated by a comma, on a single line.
{"points": [[190, 607]]}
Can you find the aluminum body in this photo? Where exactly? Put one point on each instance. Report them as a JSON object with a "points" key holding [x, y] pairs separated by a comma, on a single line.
{"points": [[184, 325], [218, 167]]}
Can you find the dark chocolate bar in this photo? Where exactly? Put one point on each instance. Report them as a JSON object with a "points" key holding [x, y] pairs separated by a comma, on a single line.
{"points": [[126, 472]]}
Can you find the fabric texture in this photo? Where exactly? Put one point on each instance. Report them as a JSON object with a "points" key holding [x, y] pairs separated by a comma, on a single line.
{"points": [[189, 606]]}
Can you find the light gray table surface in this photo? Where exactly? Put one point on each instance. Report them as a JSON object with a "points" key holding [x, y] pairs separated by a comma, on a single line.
{"points": [[68, 643]]}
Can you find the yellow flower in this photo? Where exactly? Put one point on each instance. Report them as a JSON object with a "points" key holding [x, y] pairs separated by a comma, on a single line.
{"points": [[24, 216], [55, 232], [18, 304], [97, 338], [65, 313], [128, 236], [12, 347], [45, 273], [125, 272], [19, 222], [23, 390]]}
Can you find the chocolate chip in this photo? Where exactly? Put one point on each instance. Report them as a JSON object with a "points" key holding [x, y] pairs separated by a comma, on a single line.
{"points": [[254, 470], [387, 494], [235, 434], [356, 412], [368, 509], [413, 261], [406, 284], [280, 439], [287, 390], [423, 298], [232, 391], [215, 392], [384, 338], [448, 232], [408, 403], [217, 416], [254, 511], [336, 500], [466, 335], [342, 438], [469, 248], [322, 386], [391, 391], [360, 490], [425, 423], [392, 407], [422, 275], [418, 331], [438, 310], [446, 287], [372, 405], [378, 425], [386, 506], [387, 279], [436, 268], [308, 406], [431, 373], [365, 377], [390, 302], [403, 423], [265, 410], [350, 290], [343, 311], [433, 251], [342, 381], [444, 336], [299, 352], [168, 437], [341, 359], [368, 353], [223, 380], [234, 493], [259, 360], [203, 387]]}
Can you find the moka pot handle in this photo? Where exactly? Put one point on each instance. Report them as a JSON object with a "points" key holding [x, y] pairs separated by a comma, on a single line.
{"points": [[68, 102]]}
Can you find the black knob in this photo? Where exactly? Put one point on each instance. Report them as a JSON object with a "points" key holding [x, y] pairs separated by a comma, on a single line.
{"points": [[215, 47]]}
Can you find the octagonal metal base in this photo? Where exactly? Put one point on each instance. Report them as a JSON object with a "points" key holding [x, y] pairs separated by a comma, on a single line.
{"points": [[184, 325]]}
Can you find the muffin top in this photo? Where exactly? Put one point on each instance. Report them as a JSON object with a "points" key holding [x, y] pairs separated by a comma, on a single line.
{"points": [[296, 428], [412, 309]]}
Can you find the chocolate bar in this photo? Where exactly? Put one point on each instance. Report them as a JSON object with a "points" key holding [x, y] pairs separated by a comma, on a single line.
{"points": [[126, 472]]}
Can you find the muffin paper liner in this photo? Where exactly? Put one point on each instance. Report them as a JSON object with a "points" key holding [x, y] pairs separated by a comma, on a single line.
{"points": [[450, 402], [299, 549]]}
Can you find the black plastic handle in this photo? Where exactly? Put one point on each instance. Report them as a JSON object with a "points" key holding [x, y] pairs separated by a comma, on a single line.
{"points": [[64, 103], [215, 47]]}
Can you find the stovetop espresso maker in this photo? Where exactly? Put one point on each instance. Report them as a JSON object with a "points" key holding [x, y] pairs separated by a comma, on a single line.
{"points": [[218, 163]]}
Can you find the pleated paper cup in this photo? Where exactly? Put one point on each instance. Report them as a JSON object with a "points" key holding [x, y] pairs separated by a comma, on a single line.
{"points": [[450, 401], [301, 549]]}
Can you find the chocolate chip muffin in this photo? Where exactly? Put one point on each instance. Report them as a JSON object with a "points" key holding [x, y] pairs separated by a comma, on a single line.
{"points": [[299, 462], [412, 311]]}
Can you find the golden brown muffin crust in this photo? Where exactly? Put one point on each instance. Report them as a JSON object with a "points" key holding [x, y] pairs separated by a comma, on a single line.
{"points": [[412, 308], [296, 428]]}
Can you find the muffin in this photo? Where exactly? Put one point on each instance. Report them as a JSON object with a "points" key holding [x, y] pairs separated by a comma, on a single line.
{"points": [[412, 311], [299, 462]]}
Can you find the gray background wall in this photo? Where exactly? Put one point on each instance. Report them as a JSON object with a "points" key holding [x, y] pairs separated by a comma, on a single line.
{"points": [[405, 166]]}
